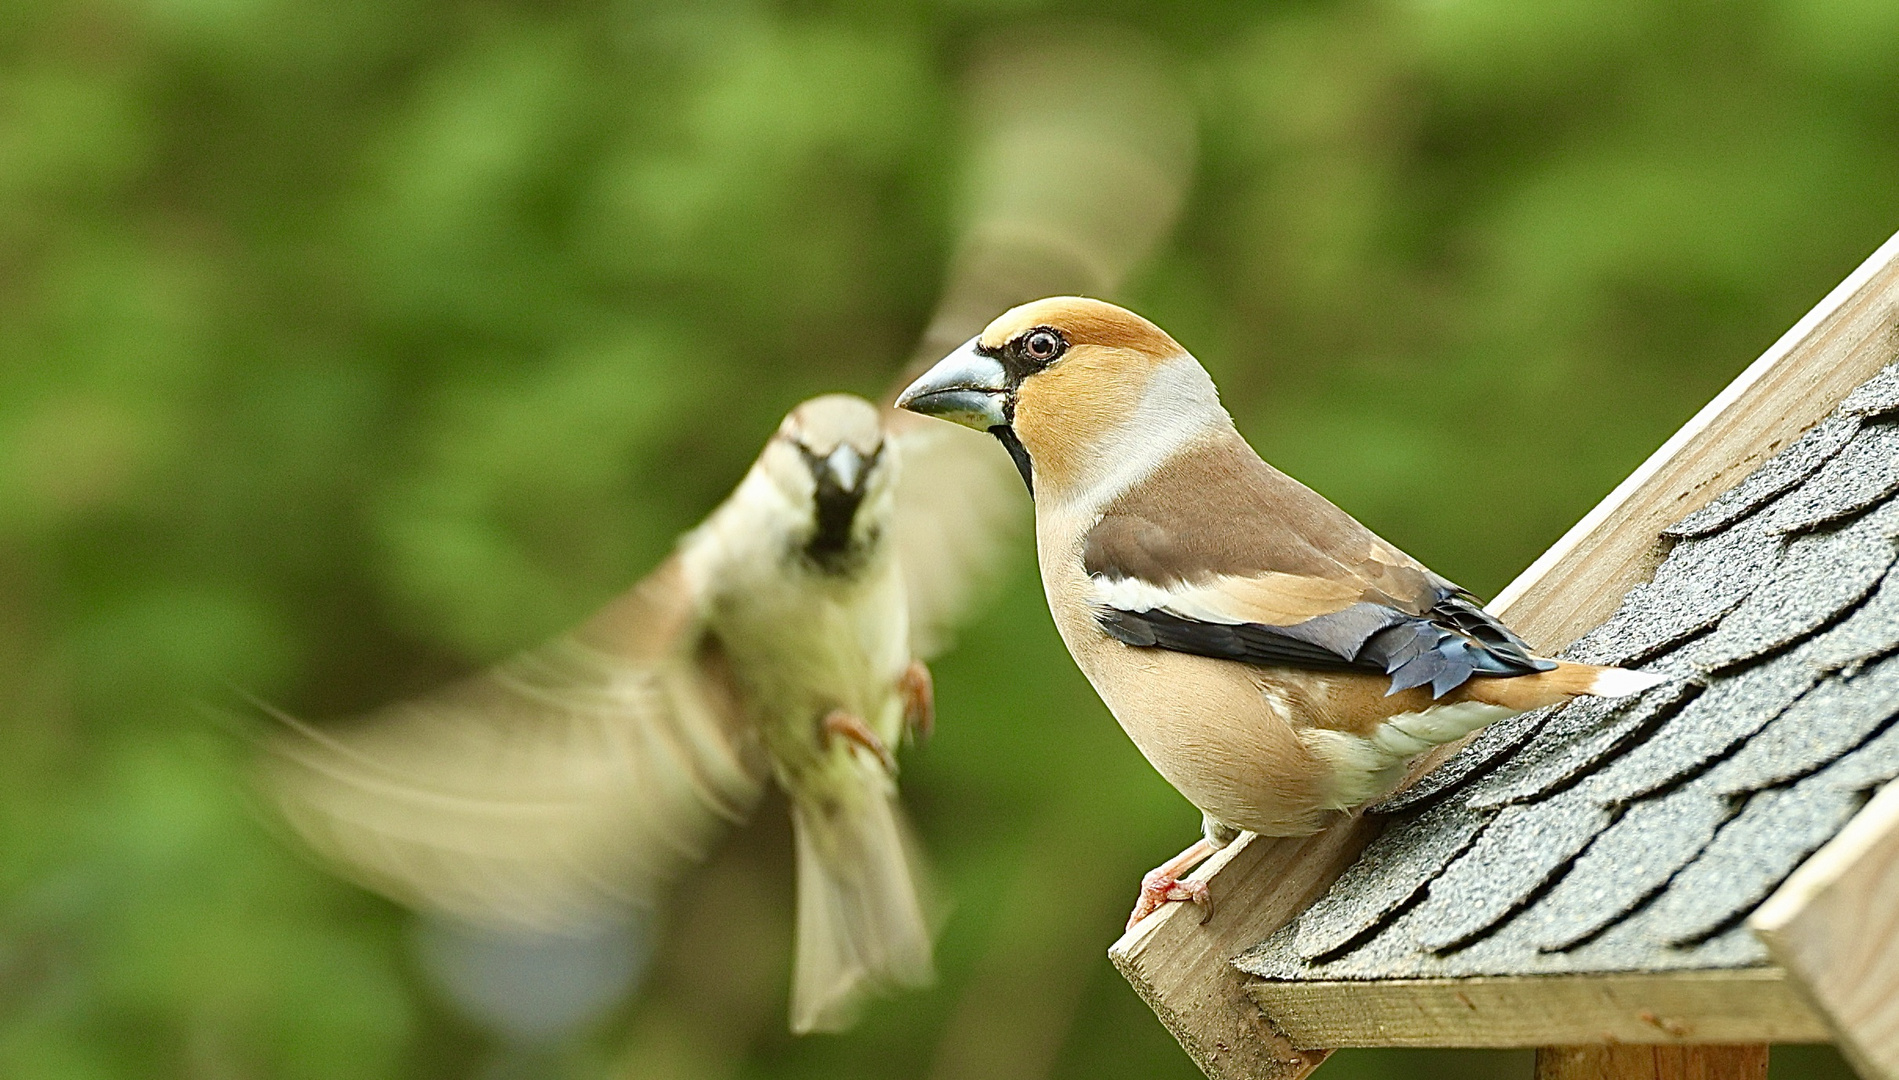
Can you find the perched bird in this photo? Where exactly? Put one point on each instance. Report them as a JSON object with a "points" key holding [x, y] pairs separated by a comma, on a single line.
{"points": [[582, 777], [1273, 658]]}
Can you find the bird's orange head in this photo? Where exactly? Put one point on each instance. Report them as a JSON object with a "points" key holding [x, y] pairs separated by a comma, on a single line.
{"points": [[1065, 383]]}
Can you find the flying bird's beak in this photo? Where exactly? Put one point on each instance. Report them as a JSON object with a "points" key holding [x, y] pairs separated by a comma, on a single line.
{"points": [[843, 470], [964, 387]]}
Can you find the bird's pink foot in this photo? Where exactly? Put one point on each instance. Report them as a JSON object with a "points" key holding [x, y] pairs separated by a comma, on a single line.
{"points": [[919, 700], [1163, 885], [852, 728]]}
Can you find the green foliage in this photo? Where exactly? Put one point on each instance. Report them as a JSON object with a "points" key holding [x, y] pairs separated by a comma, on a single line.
{"points": [[347, 345]]}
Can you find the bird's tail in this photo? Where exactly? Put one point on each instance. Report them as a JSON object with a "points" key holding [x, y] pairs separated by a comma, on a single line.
{"points": [[1365, 766], [863, 924], [1566, 681]]}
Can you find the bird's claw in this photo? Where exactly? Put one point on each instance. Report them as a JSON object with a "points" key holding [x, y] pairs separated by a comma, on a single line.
{"points": [[1159, 888], [1164, 884], [919, 700], [852, 728]]}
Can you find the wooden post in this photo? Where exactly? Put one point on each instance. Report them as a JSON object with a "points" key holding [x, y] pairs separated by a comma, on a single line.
{"points": [[1616, 1062]]}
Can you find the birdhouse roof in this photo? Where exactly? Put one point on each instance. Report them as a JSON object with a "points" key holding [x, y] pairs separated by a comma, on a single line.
{"points": [[1636, 834]]}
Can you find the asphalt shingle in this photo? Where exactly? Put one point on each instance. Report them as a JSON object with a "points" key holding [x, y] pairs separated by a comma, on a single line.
{"points": [[1638, 943], [1749, 858], [1517, 854], [1871, 631], [1874, 763], [1801, 459], [1393, 870], [1631, 861], [1820, 578], [1587, 732], [1829, 721], [1711, 725], [1877, 396], [1864, 472], [1636, 834], [1701, 580]]}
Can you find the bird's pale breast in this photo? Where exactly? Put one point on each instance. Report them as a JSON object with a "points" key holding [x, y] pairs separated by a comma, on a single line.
{"points": [[806, 646], [1206, 725]]}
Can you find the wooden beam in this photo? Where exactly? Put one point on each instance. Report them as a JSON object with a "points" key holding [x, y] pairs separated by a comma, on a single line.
{"points": [[1834, 925], [1183, 970], [1652, 1063], [1749, 1004]]}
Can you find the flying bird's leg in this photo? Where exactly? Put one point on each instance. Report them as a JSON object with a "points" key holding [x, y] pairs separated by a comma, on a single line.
{"points": [[1163, 885], [851, 727], [919, 701]]}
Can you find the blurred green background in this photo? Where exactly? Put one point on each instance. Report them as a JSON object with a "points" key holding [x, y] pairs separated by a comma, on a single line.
{"points": [[347, 346]]}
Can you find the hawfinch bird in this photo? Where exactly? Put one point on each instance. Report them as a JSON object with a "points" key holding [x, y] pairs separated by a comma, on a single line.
{"points": [[779, 641], [1278, 662]]}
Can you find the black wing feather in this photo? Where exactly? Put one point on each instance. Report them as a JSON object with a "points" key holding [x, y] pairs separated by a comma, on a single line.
{"points": [[1248, 642], [1451, 643]]}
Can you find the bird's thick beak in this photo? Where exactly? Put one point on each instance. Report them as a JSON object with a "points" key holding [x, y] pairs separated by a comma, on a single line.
{"points": [[965, 387]]}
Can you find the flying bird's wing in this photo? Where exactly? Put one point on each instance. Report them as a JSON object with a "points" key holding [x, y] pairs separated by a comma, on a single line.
{"points": [[1280, 576], [1077, 171], [547, 793], [959, 505]]}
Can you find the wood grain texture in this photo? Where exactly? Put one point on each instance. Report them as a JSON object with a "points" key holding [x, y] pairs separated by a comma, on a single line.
{"points": [[1834, 925], [1753, 1004], [1183, 970], [1746, 1062]]}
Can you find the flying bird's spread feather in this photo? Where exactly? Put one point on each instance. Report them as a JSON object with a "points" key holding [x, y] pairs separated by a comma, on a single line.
{"points": [[587, 775], [548, 792], [957, 507]]}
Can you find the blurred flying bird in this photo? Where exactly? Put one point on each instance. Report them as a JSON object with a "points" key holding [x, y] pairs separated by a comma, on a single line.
{"points": [[784, 638], [583, 776], [1274, 659]]}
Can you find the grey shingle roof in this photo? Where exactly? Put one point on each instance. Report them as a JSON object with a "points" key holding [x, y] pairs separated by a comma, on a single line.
{"points": [[1637, 834]]}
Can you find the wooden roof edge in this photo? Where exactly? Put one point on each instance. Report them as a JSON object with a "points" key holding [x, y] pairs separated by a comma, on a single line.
{"points": [[1834, 925], [1686, 1007], [1183, 969]]}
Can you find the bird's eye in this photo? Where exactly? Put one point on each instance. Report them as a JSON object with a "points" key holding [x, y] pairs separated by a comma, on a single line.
{"points": [[1042, 345]]}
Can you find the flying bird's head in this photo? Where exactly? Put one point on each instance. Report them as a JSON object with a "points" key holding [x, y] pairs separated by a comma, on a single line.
{"points": [[1077, 389], [830, 462]]}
